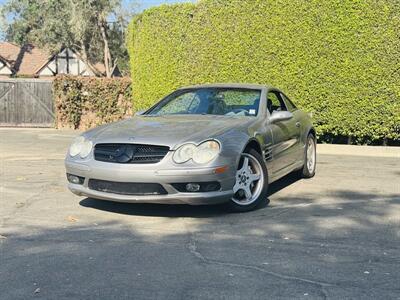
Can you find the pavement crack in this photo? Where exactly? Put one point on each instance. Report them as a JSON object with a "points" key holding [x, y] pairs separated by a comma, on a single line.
{"points": [[27, 202], [192, 247]]}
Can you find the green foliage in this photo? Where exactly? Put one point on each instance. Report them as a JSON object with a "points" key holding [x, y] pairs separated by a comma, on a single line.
{"points": [[339, 59], [77, 24], [38, 22], [85, 102]]}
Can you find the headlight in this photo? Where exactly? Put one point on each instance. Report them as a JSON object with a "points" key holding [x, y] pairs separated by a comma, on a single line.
{"points": [[80, 146], [184, 153], [86, 149], [201, 154], [206, 152], [76, 146]]}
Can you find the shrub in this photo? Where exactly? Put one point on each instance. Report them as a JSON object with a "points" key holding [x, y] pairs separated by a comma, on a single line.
{"points": [[85, 102], [339, 59]]}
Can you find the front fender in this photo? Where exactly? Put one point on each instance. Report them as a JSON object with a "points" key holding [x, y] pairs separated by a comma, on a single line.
{"points": [[233, 143]]}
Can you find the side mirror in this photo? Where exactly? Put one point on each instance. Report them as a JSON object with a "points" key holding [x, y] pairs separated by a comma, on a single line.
{"points": [[139, 113], [278, 116]]}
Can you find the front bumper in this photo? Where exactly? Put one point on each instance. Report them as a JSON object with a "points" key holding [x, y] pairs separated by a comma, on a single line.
{"points": [[153, 173]]}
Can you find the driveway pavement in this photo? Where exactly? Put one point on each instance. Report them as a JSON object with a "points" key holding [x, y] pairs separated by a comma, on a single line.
{"points": [[334, 236]]}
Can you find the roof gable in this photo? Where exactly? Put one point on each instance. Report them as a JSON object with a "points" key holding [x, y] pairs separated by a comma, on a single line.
{"points": [[24, 60], [5, 69], [32, 61], [66, 61]]}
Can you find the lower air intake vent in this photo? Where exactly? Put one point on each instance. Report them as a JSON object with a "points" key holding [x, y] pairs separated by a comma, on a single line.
{"points": [[126, 188]]}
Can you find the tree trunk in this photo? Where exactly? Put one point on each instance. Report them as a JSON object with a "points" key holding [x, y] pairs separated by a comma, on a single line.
{"points": [[349, 140], [84, 53], [85, 59], [107, 55]]}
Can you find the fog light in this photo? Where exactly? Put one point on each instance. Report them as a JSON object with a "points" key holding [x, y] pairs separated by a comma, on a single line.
{"points": [[193, 187], [75, 179]]}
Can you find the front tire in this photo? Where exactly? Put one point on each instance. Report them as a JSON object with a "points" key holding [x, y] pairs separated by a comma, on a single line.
{"points": [[251, 185]]}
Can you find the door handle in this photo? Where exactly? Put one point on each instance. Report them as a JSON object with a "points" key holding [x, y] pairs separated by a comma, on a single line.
{"points": [[298, 124]]}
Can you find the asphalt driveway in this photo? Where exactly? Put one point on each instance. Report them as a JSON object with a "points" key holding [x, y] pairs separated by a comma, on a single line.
{"points": [[334, 236]]}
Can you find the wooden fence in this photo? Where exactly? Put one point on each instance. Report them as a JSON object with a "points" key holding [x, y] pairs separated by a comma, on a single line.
{"points": [[26, 103]]}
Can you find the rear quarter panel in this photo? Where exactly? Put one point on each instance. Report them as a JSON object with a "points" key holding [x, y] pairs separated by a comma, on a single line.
{"points": [[306, 125]]}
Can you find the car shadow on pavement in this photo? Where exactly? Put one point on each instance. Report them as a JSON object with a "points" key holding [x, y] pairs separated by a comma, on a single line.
{"points": [[155, 210], [318, 250], [179, 210], [282, 183]]}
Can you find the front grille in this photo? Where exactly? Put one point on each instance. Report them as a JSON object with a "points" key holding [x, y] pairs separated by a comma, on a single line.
{"points": [[130, 153], [126, 188]]}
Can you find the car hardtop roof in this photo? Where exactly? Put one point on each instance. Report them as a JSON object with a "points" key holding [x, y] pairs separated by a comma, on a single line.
{"points": [[229, 85]]}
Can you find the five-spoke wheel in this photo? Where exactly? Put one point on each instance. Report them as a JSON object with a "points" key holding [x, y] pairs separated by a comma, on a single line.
{"points": [[251, 182], [310, 158]]}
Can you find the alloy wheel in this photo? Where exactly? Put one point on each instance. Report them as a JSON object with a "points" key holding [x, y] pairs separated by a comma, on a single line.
{"points": [[249, 180], [311, 155]]}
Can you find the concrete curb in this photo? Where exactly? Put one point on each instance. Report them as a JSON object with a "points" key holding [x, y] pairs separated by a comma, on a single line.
{"points": [[372, 151]]}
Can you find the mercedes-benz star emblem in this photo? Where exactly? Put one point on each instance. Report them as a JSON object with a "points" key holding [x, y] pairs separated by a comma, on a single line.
{"points": [[124, 154]]}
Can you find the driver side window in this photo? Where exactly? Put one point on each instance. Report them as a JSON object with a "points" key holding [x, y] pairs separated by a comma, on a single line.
{"points": [[275, 102]]}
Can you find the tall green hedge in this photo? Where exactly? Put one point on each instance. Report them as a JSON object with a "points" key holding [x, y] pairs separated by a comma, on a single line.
{"points": [[339, 59]]}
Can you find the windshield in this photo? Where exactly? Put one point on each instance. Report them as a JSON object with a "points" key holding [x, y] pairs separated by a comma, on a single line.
{"points": [[209, 101]]}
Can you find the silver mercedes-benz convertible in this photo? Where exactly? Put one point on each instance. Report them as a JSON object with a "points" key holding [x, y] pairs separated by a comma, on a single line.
{"points": [[203, 144]]}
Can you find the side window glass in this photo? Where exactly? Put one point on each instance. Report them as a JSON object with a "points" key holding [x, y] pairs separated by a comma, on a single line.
{"points": [[247, 101], [289, 104], [275, 102]]}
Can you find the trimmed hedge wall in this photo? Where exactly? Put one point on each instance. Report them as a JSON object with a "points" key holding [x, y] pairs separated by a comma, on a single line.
{"points": [[85, 102], [339, 59]]}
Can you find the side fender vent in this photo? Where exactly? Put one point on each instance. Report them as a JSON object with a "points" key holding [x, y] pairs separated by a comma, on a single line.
{"points": [[267, 152]]}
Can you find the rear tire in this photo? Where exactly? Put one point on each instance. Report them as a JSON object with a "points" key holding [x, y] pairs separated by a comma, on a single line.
{"points": [[251, 185], [310, 158]]}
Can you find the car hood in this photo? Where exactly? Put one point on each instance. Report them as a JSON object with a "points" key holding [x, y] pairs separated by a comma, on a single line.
{"points": [[170, 131]]}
